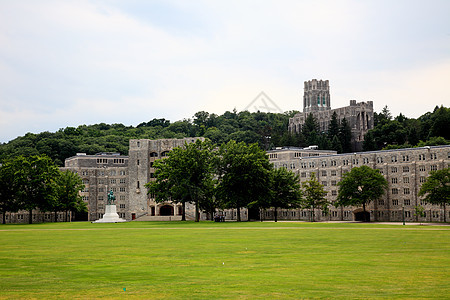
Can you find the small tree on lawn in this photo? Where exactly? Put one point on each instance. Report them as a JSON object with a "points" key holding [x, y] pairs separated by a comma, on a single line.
{"points": [[436, 189], [285, 191], [69, 186], [360, 186], [186, 175], [314, 195]]}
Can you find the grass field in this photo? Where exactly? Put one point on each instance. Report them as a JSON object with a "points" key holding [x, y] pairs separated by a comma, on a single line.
{"points": [[175, 260]]}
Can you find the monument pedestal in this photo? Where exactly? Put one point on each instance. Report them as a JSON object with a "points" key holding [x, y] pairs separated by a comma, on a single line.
{"points": [[110, 215]]}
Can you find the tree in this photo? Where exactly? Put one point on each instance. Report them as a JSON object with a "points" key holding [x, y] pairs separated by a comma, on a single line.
{"points": [[8, 198], [285, 190], [345, 136], [333, 128], [436, 189], [34, 181], [314, 195], [69, 186], [360, 186], [310, 130], [243, 175], [186, 175]]}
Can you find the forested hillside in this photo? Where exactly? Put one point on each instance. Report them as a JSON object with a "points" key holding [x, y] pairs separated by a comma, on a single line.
{"points": [[267, 129]]}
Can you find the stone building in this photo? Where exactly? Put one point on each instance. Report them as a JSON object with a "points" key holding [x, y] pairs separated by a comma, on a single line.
{"points": [[101, 173], [404, 169], [142, 155], [316, 101]]}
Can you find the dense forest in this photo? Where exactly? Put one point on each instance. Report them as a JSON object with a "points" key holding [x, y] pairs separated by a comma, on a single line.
{"points": [[267, 129]]}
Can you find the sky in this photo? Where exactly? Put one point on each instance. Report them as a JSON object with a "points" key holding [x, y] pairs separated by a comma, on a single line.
{"points": [[69, 63]]}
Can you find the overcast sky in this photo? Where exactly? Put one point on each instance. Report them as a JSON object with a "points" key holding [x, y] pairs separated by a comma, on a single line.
{"points": [[68, 63]]}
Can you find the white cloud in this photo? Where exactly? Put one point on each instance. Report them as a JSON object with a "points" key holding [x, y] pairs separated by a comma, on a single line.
{"points": [[74, 62]]}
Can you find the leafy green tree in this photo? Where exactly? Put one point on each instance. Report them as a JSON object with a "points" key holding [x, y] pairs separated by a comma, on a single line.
{"points": [[243, 175], [69, 185], [436, 189], [285, 190], [186, 175], [8, 197], [360, 186], [336, 144], [34, 182], [314, 195]]}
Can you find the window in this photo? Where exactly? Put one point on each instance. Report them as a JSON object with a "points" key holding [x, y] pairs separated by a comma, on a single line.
{"points": [[137, 162], [324, 163], [355, 161], [122, 205], [422, 179], [421, 156], [85, 181], [405, 157], [407, 202], [394, 180], [381, 202], [333, 162], [119, 160], [333, 173], [114, 189], [345, 162], [154, 154], [433, 156], [164, 153], [122, 180], [394, 202], [101, 181], [324, 173], [102, 161], [138, 185], [122, 172], [381, 171], [122, 198], [406, 191], [100, 198], [122, 189], [393, 158], [101, 190], [324, 183], [393, 169], [365, 160], [394, 191], [112, 181], [405, 179], [422, 168], [333, 182], [405, 169], [113, 172], [333, 192], [138, 144], [433, 167], [379, 160], [303, 174]]}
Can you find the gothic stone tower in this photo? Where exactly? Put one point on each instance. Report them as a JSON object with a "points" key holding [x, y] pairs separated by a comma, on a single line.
{"points": [[316, 96], [316, 101]]}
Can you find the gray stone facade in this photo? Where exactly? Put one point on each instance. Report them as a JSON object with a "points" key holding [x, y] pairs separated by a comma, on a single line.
{"points": [[101, 173], [316, 100], [404, 169], [142, 155]]}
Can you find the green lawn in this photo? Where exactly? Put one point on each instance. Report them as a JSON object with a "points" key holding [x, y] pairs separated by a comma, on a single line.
{"points": [[175, 260]]}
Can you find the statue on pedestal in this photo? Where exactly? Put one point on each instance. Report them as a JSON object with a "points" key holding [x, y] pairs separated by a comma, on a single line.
{"points": [[111, 198]]}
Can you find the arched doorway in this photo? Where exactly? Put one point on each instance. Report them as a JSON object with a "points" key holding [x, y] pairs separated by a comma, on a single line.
{"points": [[166, 210], [361, 215]]}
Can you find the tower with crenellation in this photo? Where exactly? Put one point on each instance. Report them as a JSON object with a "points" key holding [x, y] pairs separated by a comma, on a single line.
{"points": [[316, 96]]}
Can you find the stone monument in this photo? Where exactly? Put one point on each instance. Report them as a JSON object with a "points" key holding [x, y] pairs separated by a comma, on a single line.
{"points": [[110, 215]]}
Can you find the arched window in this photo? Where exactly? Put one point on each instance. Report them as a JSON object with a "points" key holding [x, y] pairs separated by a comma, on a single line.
{"points": [[153, 154], [164, 154]]}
